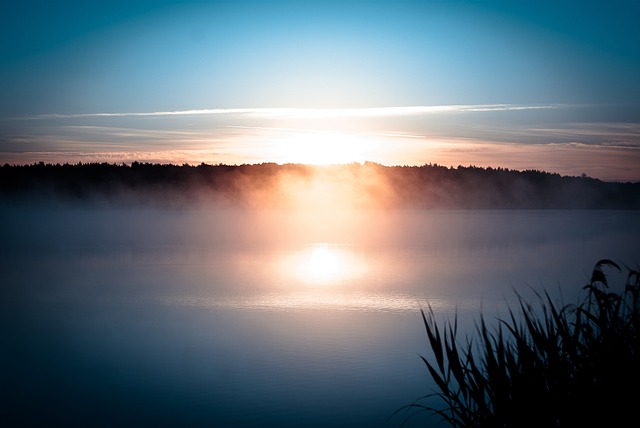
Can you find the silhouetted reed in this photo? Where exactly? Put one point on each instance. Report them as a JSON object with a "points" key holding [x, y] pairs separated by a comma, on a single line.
{"points": [[549, 365]]}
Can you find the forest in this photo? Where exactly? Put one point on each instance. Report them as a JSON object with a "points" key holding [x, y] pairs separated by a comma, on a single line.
{"points": [[271, 185]]}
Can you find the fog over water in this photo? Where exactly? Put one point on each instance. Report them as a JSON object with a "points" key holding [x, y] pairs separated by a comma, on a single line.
{"points": [[238, 317]]}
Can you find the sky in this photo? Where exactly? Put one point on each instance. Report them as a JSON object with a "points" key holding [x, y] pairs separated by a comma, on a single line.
{"points": [[548, 85]]}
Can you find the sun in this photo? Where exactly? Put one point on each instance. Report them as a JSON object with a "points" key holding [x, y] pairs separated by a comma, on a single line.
{"points": [[322, 147]]}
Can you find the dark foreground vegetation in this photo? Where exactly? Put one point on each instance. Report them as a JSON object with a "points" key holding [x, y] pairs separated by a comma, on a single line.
{"points": [[547, 366], [367, 185]]}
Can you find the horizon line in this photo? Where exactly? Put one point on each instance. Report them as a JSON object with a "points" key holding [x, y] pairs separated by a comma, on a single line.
{"points": [[311, 165]]}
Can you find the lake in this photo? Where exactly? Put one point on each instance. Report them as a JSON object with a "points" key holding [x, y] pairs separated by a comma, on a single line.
{"points": [[204, 317]]}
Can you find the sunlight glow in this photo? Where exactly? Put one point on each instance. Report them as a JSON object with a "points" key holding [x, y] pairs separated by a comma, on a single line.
{"points": [[323, 264], [322, 148]]}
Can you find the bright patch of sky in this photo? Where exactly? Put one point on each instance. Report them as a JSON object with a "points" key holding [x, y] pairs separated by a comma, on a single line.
{"points": [[407, 82]]}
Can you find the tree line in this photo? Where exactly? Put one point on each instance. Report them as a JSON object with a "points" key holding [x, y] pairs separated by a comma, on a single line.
{"points": [[427, 186]]}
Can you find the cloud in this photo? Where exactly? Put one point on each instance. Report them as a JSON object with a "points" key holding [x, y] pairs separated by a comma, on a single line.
{"points": [[190, 156], [310, 113]]}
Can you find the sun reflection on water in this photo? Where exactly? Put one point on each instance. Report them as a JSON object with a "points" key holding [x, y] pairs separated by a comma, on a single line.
{"points": [[319, 299], [325, 264]]}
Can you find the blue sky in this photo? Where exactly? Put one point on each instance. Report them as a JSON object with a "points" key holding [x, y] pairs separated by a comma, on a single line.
{"points": [[530, 84]]}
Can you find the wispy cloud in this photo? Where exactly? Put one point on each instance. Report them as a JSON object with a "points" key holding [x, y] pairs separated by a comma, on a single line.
{"points": [[310, 113], [396, 111], [193, 112]]}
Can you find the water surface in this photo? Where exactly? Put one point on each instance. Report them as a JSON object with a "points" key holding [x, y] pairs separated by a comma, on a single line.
{"points": [[152, 317]]}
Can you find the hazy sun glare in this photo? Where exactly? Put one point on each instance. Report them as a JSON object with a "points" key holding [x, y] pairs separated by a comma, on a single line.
{"points": [[321, 148], [324, 264]]}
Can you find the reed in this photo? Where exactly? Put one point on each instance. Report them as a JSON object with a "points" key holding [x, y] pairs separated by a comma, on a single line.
{"points": [[545, 365]]}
